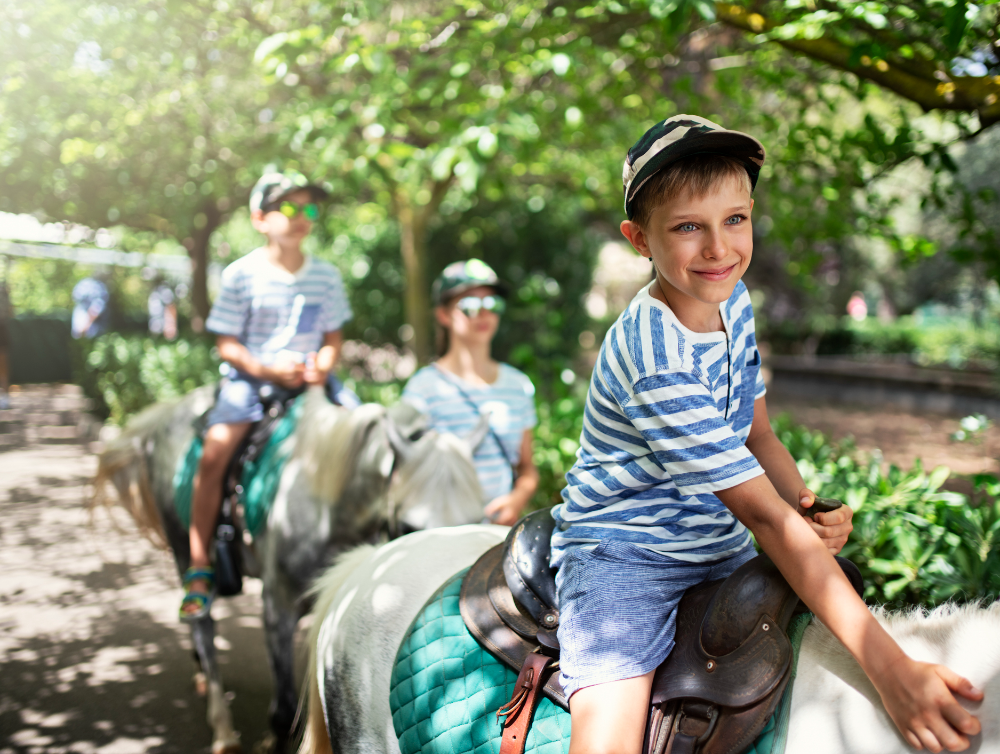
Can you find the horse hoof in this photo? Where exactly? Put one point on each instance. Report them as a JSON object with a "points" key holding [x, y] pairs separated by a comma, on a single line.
{"points": [[200, 684]]}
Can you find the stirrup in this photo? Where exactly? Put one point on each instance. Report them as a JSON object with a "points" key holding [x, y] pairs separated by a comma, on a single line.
{"points": [[202, 600]]}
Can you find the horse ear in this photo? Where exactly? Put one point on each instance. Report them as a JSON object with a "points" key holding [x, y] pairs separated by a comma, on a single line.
{"points": [[478, 434], [400, 445]]}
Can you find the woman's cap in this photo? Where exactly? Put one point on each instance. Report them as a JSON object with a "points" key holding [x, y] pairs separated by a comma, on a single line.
{"points": [[274, 186], [684, 136], [459, 277]]}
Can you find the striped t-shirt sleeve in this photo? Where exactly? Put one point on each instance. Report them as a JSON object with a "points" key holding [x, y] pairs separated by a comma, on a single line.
{"points": [[679, 420], [231, 308], [337, 309]]}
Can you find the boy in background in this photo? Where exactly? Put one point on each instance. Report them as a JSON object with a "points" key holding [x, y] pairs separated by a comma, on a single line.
{"points": [[278, 319]]}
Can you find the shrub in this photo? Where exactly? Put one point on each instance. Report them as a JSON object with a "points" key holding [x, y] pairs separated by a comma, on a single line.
{"points": [[916, 543], [122, 374]]}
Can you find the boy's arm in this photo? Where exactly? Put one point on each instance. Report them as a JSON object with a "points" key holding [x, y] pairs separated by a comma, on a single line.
{"points": [[917, 696], [833, 527], [326, 358], [286, 374]]}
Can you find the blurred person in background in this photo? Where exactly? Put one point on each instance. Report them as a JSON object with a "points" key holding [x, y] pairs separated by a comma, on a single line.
{"points": [[90, 310], [466, 383], [162, 308], [277, 320]]}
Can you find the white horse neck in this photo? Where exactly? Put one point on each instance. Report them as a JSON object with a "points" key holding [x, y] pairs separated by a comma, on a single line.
{"points": [[836, 709]]}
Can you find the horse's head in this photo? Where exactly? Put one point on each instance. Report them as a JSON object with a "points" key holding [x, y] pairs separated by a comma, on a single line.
{"points": [[435, 483]]}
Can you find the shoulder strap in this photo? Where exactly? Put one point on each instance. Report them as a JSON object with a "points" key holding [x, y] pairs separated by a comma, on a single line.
{"points": [[496, 438]]}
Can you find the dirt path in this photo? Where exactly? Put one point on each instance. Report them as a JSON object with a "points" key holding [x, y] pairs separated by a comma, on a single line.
{"points": [[92, 657], [899, 435]]}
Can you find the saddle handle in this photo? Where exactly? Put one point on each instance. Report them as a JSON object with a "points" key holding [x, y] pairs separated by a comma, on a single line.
{"points": [[822, 505]]}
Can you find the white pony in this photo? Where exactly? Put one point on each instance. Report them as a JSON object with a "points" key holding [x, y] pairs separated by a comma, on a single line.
{"points": [[368, 600], [354, 476]]}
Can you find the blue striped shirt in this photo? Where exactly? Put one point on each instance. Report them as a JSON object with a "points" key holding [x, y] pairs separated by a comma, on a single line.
{"points": [[665, 426], [269, 309], [510, 403]]}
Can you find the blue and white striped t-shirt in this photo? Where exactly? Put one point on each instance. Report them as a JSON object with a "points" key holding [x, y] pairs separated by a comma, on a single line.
{"points": [[509, 401], [269, 309], [665, 426]]}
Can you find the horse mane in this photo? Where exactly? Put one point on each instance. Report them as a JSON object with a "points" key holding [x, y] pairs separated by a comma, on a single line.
{"points": [[315, 739], [330, 440], [441, 462], [122, 463]]}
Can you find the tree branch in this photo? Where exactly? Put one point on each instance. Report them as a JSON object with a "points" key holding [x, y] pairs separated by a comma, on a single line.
{"points": [[980, 94]]}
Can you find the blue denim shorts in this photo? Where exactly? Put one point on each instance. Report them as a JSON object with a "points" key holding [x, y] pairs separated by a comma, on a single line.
{"points": [[239, 399], [618, 609]]}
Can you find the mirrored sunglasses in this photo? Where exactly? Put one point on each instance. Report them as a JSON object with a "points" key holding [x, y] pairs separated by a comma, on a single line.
{"points": [[470, 306], [291, 210]]}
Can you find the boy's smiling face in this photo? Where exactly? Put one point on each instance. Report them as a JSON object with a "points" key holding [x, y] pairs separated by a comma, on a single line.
{"points": [[701, 246]]}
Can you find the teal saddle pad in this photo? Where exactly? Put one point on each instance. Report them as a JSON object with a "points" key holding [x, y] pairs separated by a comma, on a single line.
{"points": [[259, 479], [445, 690]]}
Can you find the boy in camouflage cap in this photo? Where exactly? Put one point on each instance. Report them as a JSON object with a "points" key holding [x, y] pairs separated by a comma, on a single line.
{"points": [[278, 320], [678, 465]]}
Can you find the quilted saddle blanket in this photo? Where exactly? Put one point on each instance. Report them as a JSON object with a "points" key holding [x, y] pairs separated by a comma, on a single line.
{"points": [[445, 690], [259, 479]]}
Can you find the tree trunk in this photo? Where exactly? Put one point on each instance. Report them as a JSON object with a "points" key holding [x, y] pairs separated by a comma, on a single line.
{"points": [[199, 265], [413, 249]]}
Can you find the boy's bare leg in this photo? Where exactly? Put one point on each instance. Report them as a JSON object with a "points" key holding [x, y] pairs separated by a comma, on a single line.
{"points": [[221, 441], [610, 718]]}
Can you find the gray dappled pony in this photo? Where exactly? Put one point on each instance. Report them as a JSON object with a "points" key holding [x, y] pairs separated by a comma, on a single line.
{"points": [[366, 602], [353, 477]]}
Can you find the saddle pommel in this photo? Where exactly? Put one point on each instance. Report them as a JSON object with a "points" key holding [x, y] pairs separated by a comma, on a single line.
{"points": [[526, 568]]}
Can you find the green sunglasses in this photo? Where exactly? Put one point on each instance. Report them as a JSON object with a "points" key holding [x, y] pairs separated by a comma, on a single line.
{"points": [[470, 306], [292, 210]]}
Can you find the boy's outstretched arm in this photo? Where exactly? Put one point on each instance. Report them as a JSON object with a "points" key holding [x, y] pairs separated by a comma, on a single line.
{"points": [[918, 696], [832, 527]]}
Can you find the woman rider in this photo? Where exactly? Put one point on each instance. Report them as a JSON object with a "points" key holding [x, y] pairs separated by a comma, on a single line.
{"points": [[466, 383]]}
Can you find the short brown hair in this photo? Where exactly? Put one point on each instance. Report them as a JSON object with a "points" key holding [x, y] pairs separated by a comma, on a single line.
{"points": [[696, 174]]}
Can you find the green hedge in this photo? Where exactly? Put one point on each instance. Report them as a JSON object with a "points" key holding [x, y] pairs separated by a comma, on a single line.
{"points": [[915, 542], [122, 374]]}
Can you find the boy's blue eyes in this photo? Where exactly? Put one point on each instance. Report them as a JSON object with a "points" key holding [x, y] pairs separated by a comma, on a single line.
{"points": [[734, 220]]}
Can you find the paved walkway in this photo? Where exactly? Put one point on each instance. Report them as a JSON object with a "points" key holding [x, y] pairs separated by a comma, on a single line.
{"points": [[92, 656]]}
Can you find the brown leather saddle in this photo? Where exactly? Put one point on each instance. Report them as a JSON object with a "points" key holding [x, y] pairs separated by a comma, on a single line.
{"points": [[712, 695]]}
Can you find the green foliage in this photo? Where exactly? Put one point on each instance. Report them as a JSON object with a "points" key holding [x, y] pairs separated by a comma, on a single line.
{"points": [[954, 342], [915, 542], [124, 374]]}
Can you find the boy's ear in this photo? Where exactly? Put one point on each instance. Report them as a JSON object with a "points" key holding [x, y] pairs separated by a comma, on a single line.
{"points": [[257, 220], [636, 236]]}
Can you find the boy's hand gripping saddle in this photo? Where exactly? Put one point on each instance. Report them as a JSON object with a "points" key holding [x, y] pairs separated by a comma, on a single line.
{"points": [[714, 692]]}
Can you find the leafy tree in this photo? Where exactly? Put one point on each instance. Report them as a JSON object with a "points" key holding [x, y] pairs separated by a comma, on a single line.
{"points": [[144, 113], [426, 109]]}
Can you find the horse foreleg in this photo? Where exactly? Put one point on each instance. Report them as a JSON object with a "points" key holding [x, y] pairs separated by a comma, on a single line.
{"points": [[225, 740], [280, 619]]}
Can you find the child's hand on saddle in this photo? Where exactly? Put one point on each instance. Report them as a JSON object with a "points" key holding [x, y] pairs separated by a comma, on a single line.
{"points": [[920, 699], [311, 375], [833, 527], [286, 373], [504, 510]]}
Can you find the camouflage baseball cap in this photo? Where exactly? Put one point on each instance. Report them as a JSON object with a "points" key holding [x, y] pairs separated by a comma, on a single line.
{"points": [[459, 277], [684, 136], [274, 186]]}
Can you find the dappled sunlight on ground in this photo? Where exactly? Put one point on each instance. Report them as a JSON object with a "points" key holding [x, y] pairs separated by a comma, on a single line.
{"points": [[92, 656]]}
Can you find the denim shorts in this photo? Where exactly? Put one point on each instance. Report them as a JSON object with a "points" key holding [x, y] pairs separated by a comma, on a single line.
{"points": [[239, 399], [618, 609]]}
